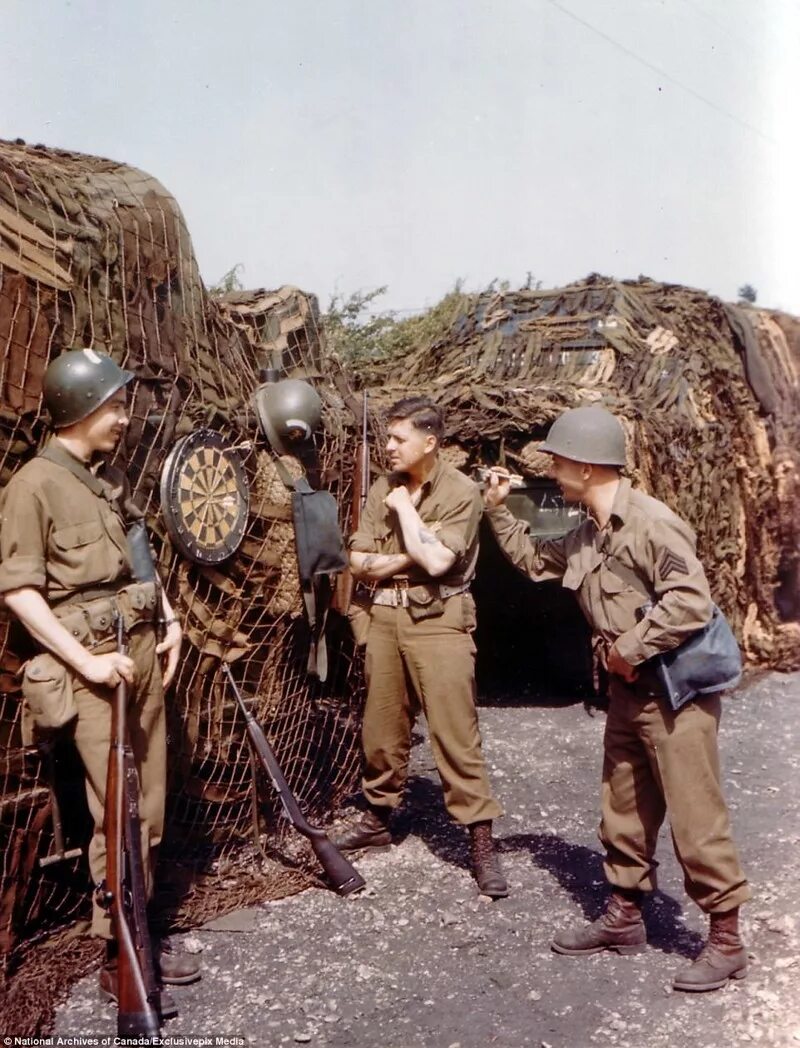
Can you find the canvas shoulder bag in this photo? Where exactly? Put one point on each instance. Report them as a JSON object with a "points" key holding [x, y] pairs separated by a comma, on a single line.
{"points": [[708, 661], [320, 555]]}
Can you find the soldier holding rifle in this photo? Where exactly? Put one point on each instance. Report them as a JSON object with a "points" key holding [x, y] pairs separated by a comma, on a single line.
{"points": [[417, 541], [66, 573], [657, 760]]}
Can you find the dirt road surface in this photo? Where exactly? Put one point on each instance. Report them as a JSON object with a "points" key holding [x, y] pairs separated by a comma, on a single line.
{"points": [[419, 960]]}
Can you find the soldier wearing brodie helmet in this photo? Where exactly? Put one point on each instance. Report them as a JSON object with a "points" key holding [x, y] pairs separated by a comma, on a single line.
{"points": [[78, 382], [64, 572], [657, 761]]}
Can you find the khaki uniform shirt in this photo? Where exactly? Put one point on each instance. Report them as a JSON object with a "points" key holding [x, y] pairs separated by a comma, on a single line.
{"points": [[56, 536], [646, 537], [450, 506]]}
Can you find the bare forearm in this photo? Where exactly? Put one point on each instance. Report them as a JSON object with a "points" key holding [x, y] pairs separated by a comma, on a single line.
{"points": [[34, 613], [422, 545], [376, 566]]}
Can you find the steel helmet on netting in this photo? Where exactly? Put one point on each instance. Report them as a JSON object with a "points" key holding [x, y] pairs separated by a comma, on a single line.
{"points": [[78, 382], [289, 411], [588, 434]]}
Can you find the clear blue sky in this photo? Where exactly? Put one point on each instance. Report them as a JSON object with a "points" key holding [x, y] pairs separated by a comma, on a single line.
{"points": [[345, 144]]}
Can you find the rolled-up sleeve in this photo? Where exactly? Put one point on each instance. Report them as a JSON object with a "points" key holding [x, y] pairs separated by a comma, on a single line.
{"points": [[539, 559], [22, 538], [458, 527], [365, 538]]}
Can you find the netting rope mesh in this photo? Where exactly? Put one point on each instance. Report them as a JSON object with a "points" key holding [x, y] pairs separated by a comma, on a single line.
{"points": [[93, 252], [709, 395], [96, 253]]}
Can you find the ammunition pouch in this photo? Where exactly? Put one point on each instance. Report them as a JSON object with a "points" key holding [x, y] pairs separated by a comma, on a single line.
{"points": [[93, 622], [424, 602], [47, 689], [49, 702]]}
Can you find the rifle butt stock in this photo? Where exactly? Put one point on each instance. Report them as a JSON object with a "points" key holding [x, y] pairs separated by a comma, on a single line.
{"points": [[343, 877]]}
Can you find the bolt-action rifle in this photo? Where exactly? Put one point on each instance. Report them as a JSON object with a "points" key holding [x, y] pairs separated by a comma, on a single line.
{"points": [[344, 588], [353, 599], [344, 877], [123, 891]]}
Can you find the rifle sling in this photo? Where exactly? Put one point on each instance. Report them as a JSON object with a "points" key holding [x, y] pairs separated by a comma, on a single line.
{"points": [[61, 457]]}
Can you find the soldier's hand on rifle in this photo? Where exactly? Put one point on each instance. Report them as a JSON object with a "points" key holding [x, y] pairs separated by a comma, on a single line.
{"points": [[171, 645], [498, 485], [109, 669]]}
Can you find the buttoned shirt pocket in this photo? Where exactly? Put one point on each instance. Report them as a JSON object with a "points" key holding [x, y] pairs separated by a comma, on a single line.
{"points": [[82, 548], [620, 602]]}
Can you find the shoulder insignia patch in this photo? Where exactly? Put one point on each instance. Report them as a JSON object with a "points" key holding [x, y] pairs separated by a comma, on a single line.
{"points": [[670, 562]]}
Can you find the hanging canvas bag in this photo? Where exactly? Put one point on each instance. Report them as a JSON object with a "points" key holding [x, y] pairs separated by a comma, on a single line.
{"points": [[707, 661], [320, 555]]}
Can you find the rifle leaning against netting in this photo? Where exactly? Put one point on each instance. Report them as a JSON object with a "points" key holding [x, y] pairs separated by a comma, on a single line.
{"points": [[342, 875]]}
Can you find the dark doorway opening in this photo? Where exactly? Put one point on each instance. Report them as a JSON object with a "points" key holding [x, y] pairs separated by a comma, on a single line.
{"points": [[532, 639]]}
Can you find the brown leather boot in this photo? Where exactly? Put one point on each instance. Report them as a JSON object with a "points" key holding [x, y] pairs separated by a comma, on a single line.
{"points": [[486, 866], [175, 969], [371, 831], [620, 929], [723, 957], [107, 981]]}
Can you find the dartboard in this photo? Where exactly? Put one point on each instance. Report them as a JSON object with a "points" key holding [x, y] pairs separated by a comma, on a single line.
{"points": [[204, 497]]}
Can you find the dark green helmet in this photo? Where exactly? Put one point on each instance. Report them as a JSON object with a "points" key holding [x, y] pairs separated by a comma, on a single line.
{"points": [[78, 382], [289, 411], [590, 434]]}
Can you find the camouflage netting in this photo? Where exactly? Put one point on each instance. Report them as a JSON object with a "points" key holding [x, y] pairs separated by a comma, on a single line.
{"points": [[709, 395], [93, 252]]}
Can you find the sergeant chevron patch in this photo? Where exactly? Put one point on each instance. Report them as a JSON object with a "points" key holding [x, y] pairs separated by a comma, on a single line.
{"points": [[670, 562]]}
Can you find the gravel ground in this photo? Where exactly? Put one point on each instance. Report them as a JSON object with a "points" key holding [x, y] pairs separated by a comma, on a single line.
{"points": [[419, 960]]}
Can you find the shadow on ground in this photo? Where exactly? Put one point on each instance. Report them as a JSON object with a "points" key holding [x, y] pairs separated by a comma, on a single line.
{"points": [[577, 869]]}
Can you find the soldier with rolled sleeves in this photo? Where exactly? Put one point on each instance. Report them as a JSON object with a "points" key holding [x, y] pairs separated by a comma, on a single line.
{"points": [[657, 761], [65, 573], [418, 543]]}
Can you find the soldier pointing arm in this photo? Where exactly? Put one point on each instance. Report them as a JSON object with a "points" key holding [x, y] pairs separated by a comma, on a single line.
{"points": [[657, 761]]}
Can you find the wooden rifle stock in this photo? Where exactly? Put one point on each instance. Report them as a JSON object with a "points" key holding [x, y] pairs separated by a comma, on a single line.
{"points": [[123, 892], [343, 876], [344, 595], [363, 467]]}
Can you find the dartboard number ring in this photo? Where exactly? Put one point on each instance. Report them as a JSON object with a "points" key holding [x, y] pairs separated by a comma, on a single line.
{"points": [[204, 497]]}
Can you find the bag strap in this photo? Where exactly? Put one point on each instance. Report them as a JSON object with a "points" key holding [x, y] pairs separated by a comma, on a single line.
{"points": [[299, 484], [62, 458]]}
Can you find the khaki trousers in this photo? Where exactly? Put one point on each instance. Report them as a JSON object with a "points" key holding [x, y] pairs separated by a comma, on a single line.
{"points": [[659, 762], [428, 665], [147, 734]]}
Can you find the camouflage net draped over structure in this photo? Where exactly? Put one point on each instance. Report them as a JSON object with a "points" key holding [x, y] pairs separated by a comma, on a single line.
{"points": [[709, 395], [96, 253]]}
